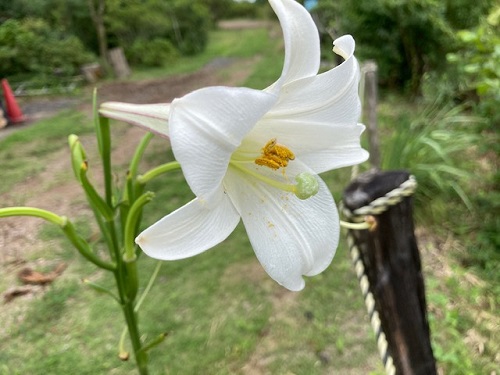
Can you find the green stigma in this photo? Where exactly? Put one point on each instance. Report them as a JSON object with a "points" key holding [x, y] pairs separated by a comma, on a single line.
{"points": [[307, 185]]}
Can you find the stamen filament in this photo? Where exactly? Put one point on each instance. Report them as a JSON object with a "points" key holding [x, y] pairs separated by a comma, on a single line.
{"points": [[279, 185]]}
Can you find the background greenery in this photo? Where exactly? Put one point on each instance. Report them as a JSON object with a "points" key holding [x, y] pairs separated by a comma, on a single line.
{"points": [[448, 47], [438, 117]]}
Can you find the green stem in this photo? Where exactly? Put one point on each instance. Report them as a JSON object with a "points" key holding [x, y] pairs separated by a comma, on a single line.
{"points": [[132, 190], [128, 197], [131, 321], [106, 159], [130, 194], [34, 212], [156, 341], [103, 229], [67, 227], [131, 223], [148, 287], [94, 198], [139, 152], [129, 257], [132, 280], [100, 289], [122, 352], [124, 272], [127, 305], [126, 282], [141, 357], [104, 143], [115, 244], [155, 172], [84, 248]]}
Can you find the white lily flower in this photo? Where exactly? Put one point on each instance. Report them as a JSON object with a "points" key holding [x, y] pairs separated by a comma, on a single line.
{"points": [[256, 155]]}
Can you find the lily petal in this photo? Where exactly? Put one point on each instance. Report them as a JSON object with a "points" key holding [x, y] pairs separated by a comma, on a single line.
{"points": [[152, 117], [207, 126], [302, 50], [322, 130], [190, 230], [344, 46], [328, 97], [290, 237], [321, 146], [339, 148]]}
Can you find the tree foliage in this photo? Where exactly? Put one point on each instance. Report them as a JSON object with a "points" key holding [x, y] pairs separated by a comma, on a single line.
{"points": [[191, 24], [154, 52], [151, 32], [407, 38], [477, 65], [32, 46], [217, 8], [67, 16], [183, 23]]}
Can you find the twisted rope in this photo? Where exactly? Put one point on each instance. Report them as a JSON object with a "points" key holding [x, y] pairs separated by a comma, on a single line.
{"points": [[375, 321], [376, 207], [382, 204]]}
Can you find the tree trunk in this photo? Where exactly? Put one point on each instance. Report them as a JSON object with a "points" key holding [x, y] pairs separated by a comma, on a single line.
{"points": [[97, 9]]}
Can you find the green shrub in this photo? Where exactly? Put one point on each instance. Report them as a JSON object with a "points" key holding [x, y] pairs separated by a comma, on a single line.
{"points": [[17, 48], [185, 23], [476, 66], [241, 10], [217, 8], [156, 52], [128, 21], [433, 146], [191, 26], [31, 46]]}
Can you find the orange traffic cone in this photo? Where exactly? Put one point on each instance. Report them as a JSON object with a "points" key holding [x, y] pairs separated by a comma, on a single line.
{"points": [[13, 111]]}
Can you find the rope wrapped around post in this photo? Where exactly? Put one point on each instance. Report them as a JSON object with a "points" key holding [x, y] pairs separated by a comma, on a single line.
{"points": [[387, 263]]}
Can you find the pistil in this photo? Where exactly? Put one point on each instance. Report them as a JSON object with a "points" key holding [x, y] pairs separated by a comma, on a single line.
{"points": [[307, 184]]}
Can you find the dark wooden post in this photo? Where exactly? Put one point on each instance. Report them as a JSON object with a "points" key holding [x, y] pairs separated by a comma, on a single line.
{"points": [[391, 268]]}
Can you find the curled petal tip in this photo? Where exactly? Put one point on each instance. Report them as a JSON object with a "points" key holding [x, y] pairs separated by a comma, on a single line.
{"points": [[344, 46], [296, 286], [139, 240]]}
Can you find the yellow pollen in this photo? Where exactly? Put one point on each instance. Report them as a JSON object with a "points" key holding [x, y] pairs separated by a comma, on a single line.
{"points": [[275, 155]]}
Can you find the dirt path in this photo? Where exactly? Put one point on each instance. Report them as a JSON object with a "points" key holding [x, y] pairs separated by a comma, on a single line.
{"points": [[221, 71], [55, 188]]}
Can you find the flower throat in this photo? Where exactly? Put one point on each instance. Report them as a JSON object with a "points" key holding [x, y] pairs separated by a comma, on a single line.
{"points": [[276, 156]]}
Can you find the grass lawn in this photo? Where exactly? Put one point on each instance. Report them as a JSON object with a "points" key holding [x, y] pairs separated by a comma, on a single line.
{"points": [[222, 313]]}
